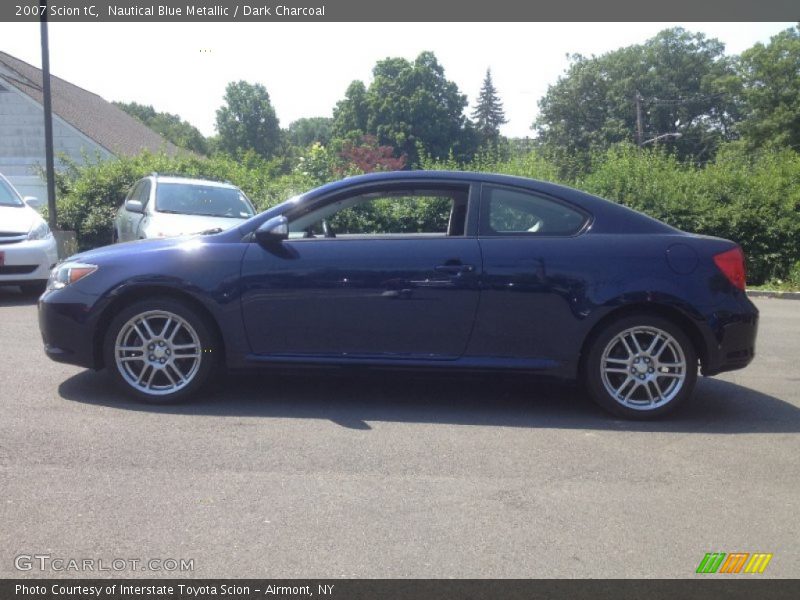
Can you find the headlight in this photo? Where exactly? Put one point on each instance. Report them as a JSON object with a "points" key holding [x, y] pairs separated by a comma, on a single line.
{"points": [[67, 273], [40, 232]]}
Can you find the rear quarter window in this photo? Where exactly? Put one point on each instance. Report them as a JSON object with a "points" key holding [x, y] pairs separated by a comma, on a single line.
{"points": [[506, 211]]}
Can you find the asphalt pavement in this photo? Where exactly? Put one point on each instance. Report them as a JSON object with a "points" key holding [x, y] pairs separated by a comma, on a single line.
{"points": [[381, 474]]}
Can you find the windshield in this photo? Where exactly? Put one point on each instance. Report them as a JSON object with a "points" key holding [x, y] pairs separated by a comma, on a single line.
{"points": [[7, 195], [204, 200]]}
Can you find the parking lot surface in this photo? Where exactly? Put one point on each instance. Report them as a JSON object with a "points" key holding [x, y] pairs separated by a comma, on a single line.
{"points": [[354, 474]]}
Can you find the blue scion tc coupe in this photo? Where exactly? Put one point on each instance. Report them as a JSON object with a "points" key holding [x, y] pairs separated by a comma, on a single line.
{"points": [[415, 269]]}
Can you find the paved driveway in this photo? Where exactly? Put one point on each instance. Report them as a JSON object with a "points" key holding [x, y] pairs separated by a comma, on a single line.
{"points": [[397, 475]]}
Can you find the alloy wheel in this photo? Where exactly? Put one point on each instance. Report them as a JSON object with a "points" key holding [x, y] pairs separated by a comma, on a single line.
{"points": [[643, 368], [157, 352]]}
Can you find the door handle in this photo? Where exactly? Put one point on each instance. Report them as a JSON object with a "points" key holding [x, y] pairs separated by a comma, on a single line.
{"points": [[454, 269]]}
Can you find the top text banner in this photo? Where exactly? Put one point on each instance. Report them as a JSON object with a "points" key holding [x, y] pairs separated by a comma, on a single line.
{"points": [[405, 11]]}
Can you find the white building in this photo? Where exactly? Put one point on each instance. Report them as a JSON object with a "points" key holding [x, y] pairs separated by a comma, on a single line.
{"points": [[83, 125]]}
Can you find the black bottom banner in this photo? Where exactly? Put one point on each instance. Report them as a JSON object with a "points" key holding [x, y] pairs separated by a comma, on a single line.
{"points": [[400, 589]]}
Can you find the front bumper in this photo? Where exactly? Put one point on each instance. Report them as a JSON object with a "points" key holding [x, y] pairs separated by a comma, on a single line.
{"points": [[28, 261], [68, 324]]}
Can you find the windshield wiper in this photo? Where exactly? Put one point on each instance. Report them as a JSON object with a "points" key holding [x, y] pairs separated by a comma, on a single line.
{"points": [[211, 231], [218, 216]]}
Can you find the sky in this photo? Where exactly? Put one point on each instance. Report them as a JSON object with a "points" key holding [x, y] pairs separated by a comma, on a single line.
{"points": [[183, 68]]}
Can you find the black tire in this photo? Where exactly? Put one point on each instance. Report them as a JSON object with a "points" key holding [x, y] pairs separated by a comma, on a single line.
{"points": [[34, 288], [645, 375], [208, 351]]}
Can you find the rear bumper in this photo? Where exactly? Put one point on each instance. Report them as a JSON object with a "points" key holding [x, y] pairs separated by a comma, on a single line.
{"points": [[732, 343]]}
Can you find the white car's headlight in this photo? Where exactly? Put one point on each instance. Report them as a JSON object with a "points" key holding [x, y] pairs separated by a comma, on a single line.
{"points": [[68, 273], [40, 232]]}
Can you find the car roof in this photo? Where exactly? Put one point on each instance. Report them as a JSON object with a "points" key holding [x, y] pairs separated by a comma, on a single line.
{"points": [[466, 177]]}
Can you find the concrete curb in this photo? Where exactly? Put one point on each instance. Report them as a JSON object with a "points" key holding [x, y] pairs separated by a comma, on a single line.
{"points": [[773, 294]]}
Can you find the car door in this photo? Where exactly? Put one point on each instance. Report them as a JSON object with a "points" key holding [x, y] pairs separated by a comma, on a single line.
{"points": [[398, 280], [533, 284]]}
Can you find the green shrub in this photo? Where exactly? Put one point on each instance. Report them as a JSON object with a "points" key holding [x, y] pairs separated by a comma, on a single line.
{"points": [[754, 199]]}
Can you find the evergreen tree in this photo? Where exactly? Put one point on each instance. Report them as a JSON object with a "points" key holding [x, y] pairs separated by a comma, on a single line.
{"points": [[489, 114]]}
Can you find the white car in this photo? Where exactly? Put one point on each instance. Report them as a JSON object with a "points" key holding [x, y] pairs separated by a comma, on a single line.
{"points": [[170, 206], [28, 249]]}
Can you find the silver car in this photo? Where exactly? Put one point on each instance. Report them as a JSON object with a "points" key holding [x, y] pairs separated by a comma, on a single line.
{"points": [[169, 206], [28, 249]]}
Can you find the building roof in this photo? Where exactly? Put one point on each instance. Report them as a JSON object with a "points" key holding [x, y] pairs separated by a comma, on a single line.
{"points": [[109, 126]]}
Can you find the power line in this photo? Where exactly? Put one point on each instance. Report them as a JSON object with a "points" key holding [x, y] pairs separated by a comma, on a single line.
{"points": [[678, 101]]}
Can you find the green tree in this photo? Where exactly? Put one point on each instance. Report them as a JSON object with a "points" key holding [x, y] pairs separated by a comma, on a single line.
{"points": [[771, 80], [179, 132], [352, 113], [409, 106], [685, 84], [307, 131], [489, 114], [247, 120]]}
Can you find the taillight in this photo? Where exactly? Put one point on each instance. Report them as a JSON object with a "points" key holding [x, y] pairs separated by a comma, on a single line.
{"points": [[731, 263]]}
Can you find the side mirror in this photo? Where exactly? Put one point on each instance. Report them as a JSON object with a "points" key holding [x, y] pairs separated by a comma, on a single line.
{"points": [[32, 201], [134, 206], [273, 230]]}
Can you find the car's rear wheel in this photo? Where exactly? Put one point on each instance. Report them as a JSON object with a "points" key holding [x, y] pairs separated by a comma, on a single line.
{"points": [[641, 367], [160, 350]]}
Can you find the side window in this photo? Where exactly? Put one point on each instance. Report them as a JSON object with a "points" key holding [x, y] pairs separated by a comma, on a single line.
{"points": [[391, 212], [132, 193], [506, 211], [143, 193]]}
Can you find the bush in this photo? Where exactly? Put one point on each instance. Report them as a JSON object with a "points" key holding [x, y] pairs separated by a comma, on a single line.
{"points": [[495, 160], [754, 199]]}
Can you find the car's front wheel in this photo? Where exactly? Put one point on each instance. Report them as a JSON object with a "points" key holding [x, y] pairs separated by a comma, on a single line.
{"points": [[641, 367], [160, 350]]}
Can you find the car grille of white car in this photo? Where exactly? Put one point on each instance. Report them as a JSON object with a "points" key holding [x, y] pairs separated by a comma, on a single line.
{"points": [[17, 269]]}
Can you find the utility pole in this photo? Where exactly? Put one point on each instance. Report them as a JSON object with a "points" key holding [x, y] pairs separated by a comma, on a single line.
{"points": [[639, 132], [48, 122]]}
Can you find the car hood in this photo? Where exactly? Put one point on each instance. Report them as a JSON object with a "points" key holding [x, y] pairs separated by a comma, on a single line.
{"points": [[169, 225], [20, 219], [140, 249]]}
